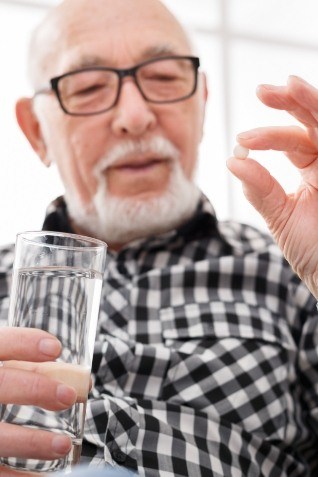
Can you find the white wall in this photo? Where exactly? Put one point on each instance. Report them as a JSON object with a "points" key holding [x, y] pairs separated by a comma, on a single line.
{"points": [[25, 185], [241, 42]]}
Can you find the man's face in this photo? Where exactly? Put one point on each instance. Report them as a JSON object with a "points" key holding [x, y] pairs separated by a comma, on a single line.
{"points": [[120, 36]]}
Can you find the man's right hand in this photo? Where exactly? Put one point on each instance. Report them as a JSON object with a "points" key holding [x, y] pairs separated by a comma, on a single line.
{"points": [[20, 386], [291, 217]]}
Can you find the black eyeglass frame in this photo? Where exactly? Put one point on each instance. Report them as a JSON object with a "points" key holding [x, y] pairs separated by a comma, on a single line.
{"points": [[122, 73]]}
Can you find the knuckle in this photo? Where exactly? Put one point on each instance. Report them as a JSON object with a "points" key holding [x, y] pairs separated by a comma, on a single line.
{"points": [[3, 373], [37, 386]]}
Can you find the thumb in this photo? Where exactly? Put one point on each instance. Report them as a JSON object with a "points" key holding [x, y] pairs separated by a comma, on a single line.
{"points": [[260, 188]]}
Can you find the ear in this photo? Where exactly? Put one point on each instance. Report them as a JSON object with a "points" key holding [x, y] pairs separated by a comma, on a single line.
{"points": [[204, 87], [203, 91], [31, 128]]}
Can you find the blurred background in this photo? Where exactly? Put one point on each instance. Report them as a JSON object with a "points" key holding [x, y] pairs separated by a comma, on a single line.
{"points": [[241, 43]]}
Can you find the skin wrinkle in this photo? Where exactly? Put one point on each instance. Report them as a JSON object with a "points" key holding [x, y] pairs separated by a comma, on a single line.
{"points": [[77, 145], [94, 60], [60, 25], [109, 34]]}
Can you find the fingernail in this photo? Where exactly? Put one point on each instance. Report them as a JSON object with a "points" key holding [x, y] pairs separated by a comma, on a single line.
{"points": [[298, 78], [246, 135], [66, 395], [269, 87], [61, 445], [50, 347]]}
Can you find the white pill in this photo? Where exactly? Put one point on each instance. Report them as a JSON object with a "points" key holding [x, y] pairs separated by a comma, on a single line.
{"points": [[240, 152]]}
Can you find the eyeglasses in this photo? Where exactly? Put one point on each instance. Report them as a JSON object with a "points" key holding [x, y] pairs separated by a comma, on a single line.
{"points": [[94, 90]]}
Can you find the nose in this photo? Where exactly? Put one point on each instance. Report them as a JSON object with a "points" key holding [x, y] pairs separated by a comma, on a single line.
{"points": [[133, 115]]}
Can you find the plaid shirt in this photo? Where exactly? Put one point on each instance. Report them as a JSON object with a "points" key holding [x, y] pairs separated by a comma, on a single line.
{"points": [[206, 360]]}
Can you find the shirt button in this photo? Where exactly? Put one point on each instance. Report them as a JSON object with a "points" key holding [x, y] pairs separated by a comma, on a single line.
{"points": [[118, 456]]}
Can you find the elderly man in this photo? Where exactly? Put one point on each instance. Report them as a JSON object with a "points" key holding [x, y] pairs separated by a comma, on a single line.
{"points": [[206, 358]]}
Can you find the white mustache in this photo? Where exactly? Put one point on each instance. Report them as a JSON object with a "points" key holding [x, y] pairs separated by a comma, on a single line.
{"points": [[158, 146]]}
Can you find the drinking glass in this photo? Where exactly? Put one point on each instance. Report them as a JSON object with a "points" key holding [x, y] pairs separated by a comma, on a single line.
{"points": [[56, 286]]}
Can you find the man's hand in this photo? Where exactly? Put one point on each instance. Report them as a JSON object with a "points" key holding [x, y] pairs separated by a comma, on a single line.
{"points": [[292, 218], [20, 386]]}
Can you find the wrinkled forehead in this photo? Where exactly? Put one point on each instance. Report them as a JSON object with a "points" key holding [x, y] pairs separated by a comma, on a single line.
{"points": [[121, 35]]}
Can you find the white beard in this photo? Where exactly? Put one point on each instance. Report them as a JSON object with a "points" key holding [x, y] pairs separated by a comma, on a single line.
{"points": [[118, 220]]}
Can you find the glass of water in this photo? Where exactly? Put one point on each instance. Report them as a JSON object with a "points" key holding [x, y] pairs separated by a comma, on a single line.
{"points": [[56, 286]]}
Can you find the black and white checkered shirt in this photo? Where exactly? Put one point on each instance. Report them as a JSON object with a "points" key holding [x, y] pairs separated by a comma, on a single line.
{"points": [[206, 362]]}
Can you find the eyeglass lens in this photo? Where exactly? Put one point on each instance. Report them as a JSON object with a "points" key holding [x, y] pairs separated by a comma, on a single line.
{"points": [[95, 90]]}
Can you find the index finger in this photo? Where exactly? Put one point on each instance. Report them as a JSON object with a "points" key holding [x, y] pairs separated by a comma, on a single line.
{"points": [[292, 140], [28, 344]]}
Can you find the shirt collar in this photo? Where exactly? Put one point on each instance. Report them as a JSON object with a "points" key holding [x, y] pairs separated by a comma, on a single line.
{"points": [[203, 223]]}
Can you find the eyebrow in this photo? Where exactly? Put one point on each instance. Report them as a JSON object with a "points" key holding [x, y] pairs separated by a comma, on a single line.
{"points": [[86, 62], [158, 51]]}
